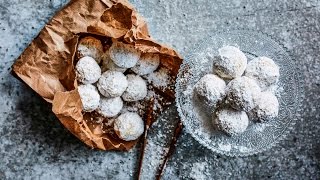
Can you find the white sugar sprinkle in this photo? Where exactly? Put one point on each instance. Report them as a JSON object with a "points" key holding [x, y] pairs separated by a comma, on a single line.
{"points": [[159, 78]]}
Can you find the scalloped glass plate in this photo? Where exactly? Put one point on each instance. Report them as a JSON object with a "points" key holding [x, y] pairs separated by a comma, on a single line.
{"points": [[259, 136]]}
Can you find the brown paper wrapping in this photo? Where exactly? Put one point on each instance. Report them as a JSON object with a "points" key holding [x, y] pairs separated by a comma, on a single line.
{"points": [[47, 63]]}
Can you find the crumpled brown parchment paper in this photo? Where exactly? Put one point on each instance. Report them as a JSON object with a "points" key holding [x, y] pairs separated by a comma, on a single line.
{"points": [[47, 66]]}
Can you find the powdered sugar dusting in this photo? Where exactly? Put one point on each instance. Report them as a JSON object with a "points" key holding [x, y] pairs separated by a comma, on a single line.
{"points": [[159, 138], [157, 100], [199, 171], [159, 78], [225, 147]]}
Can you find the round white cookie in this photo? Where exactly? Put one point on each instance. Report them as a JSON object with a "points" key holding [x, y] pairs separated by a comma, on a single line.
{"points": [[267, 107], [110, 107], [231, 121], [129, 126], [90, 46], [264, 71], [230, 63], [87, 70], [89, 97], [136, 90], [112, 84], [124, 55], [108, 64], [147, 64], [242, 93], [211, 89]]}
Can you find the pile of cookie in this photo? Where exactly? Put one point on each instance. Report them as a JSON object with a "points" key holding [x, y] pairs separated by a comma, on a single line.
{"points": [[237, 91], [109, 77]]}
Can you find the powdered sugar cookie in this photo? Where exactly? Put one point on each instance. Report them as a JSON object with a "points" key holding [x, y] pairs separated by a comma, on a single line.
{"points": [[129, 126], [87, 70], [112, 84]]}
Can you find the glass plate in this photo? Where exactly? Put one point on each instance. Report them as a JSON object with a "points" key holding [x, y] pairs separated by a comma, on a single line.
{"points": [[259, 136]]}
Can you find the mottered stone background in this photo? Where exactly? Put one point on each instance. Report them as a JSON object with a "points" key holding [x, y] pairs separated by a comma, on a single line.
{"points": [[34, 145]]}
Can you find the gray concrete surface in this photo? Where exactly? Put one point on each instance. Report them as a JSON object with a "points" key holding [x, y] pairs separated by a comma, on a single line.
{"points": [[34, 145]]}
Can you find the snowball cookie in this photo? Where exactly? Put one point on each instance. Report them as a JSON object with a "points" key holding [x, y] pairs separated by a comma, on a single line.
{"points": [[90, 46], [124, 55], [147, 64], [211, 89], [242, 93], [129, 126], [89, 97], [87, 70], [231, 121], [267, 107], [112, 84], [136, 90], [230, 63], [264, 71], [110, 107], [108, 64]]}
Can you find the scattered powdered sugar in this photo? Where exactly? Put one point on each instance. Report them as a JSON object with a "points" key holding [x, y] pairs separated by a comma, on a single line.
{"points": [[110, 107], [242, 93], [90, 46], [129, 126], [159, 103], [147, 64], [261, 127], [87, 70], [158, 100], [199, 171], [159, 138], [136, 90], [230, 63], [136, 106], [89, 97], [225, 147], [159, 78], [211, 89], [130, 108], [231, 121], [276, 89], [112, 84], [264, 71], [155, 146], [242, 148], [124, 55], [267, 107]]}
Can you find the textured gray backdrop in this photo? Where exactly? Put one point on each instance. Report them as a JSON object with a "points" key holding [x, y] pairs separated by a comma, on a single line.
{"points": [[34, 145]]}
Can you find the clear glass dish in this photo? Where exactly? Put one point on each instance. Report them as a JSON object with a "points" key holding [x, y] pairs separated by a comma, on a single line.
{"points": [[259, 136]]}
